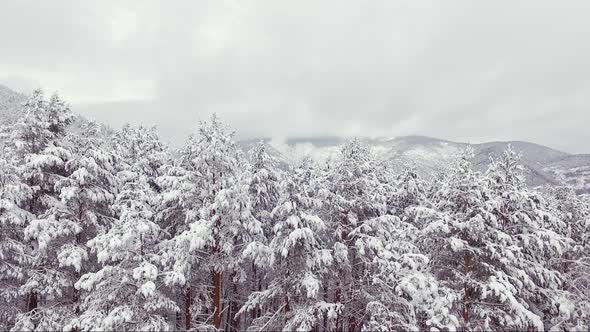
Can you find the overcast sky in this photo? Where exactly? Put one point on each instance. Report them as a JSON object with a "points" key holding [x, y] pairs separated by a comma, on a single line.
{"points": [[460, 70]]}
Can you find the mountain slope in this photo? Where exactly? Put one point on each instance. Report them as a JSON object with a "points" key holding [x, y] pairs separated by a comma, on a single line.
{"points": [[543, 165], [10, 105], [535, 158], [573, 170], [11, 109]]}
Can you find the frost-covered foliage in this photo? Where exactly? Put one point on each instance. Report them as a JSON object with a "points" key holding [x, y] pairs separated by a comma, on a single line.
{"points": [[264, 190], [394, 277], [111, 231], [40, 156], [296, 259], [126, 293], [264, 181], [408, 190], [575, 264], [212, 192], [141, 150], [535, 228], [86, 191], [352, 194], [13, 250], [493, 245]]}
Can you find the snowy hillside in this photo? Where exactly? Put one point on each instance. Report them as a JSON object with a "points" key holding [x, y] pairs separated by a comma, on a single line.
{"points": [[12, 108], [573, 170], [10, 105], [543, 165], [535, 158], [427, 155]]}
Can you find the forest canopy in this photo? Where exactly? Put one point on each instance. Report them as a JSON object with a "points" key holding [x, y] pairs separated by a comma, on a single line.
{"points": [[112, 230]]}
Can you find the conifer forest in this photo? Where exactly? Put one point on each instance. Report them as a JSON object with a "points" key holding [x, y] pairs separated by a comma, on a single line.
{"points": [[104, 229]]}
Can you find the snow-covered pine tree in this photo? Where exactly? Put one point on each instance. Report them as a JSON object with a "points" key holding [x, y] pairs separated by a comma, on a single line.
{"points": [[408, 198], [383, 280], [126, 293], [490, 248], [296, 260], [141, 154], [409, 190], [573, 211], [526, 216], [575, 264], [217, 212], [127, 250], [140, 148], [38, 146], [264, 190], [87, 194], [264, 177], [13, 249], [180, 199], [353, 193], [455, 238], [394, 281]]}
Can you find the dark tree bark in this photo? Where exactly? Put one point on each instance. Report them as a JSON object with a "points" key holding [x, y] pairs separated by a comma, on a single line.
{"points": [[187, 308], [466, 290], [32, 301], [234, 306], [216, 278], [255, 284]]}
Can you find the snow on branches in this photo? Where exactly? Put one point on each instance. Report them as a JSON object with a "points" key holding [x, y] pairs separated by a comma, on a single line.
{"points": [[111, 230]]}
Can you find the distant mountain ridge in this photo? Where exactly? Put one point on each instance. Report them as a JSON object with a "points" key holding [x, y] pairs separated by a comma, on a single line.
{"points": [[12, 108], [10, 105], [543, 165]]}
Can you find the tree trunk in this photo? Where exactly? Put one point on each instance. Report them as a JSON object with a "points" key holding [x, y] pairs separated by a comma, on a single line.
{"points": [[353, 286], [287, 305], [76, 292], [76, 299], [227, 323], [178, 314], [216, 277], [466, 290], [326, 299], [465, 306], [235, 321], [338, 299], [32, 301], [260, 290], [351, 324], [187, 308], [178, 323], [254, 286]]}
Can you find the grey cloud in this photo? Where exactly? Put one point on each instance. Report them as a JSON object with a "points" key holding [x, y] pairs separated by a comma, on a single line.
{"points": [[460, 70]]}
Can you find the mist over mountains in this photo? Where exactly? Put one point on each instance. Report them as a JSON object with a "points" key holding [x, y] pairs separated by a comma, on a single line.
{"points": [[114, 230], [427, 155], [544, 166]]}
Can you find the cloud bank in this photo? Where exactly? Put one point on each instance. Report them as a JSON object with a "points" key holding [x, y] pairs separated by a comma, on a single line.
{"points": [[458, 70]]}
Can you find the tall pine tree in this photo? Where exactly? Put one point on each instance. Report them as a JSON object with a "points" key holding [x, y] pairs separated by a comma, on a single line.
{"points": [[41, 156]]}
